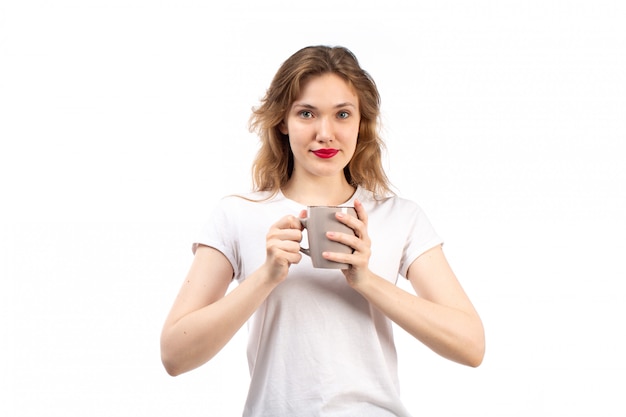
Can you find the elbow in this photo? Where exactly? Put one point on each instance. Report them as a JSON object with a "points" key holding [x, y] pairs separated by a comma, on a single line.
{"points": [[477, 352], [179, 358], [471, 356], [176, 364], [170, 367], [477, 359], [468, 352], [172, 371], [470, 348], [170, 359]]}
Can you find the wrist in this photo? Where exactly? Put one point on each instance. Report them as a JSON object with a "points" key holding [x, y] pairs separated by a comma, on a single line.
{"points": [[269, 275], [360, 281]]}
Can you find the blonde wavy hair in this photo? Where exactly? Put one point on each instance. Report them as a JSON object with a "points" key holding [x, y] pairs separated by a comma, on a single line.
{"points": [[273, 164]]}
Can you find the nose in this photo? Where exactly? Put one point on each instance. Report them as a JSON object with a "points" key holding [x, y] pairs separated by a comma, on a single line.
{"points": [[325, 132]]}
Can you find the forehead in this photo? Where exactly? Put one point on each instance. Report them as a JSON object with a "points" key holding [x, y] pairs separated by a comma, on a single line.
{"points": [[327, 89]]}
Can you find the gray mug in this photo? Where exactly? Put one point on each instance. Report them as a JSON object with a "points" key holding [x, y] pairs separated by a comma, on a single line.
{"points": [[321, 219]]}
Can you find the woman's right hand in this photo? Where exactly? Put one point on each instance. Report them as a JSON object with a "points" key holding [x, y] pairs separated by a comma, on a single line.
{"points": [[283, 247]]}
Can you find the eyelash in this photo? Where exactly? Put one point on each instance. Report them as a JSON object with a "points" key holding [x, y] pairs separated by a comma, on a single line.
{"points": [[307, 114]]}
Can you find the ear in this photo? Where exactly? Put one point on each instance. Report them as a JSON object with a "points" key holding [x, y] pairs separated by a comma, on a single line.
{"points": [[283, 128]]}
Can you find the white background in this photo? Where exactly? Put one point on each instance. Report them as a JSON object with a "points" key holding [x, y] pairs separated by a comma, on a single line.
{"points": [[123, 122]]}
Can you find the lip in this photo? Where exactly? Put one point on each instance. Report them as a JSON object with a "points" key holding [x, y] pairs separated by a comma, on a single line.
{"points": [[326, 153]]}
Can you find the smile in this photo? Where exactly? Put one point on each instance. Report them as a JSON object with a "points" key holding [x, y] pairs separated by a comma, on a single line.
{"points": [[326, 153]]}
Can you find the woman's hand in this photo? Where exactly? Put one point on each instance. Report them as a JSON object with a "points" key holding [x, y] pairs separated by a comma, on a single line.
{"points": [[282, 247], [360, 242], [440, 314]]}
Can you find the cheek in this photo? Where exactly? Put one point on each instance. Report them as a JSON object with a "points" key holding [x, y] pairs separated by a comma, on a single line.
{"points": [[297, 137], [354, 141], [353, 135], [350, 145]]}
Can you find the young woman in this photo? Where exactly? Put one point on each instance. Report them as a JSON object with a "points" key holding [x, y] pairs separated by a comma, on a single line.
{"points": [[320, 340]]}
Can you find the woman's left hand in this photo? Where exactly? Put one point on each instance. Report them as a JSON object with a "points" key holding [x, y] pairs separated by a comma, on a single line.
{"points": [[360, 242]]}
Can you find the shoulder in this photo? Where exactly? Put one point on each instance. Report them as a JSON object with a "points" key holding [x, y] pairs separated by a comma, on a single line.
{"points": [[250, 198], [389, 202], [254, 205]]}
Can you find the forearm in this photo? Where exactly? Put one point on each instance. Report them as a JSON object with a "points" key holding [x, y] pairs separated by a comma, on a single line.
{"points": [[198, 336], [452, 333]]}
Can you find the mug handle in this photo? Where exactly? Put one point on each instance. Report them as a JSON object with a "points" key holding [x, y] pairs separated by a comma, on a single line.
{"points": [[306, 251]]}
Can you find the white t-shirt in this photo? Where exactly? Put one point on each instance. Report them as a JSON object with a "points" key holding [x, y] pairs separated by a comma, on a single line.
{"points": [[316, 347]]}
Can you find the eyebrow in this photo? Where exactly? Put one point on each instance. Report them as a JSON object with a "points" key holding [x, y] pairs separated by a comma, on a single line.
{"points": [[311, 107]]}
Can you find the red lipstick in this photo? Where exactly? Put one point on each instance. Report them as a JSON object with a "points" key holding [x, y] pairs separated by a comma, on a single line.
{"points": [[326, 153]]}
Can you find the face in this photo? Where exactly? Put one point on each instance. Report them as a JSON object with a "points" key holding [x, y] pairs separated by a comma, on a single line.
{"points": [[323, 126]]}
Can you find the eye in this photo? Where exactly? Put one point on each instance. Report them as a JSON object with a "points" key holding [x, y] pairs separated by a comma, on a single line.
{"points": [[343, 114], [306, 114]]}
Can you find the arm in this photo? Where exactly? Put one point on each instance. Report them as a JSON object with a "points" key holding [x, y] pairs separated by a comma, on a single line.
{"points": [[203, 319], [441, 315]]}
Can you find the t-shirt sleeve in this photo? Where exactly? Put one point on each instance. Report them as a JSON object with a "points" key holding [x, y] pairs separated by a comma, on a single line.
{"points": [[421, 237], [219, 232]]}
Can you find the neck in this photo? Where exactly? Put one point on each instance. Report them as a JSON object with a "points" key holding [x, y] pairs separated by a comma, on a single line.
{"points": [[320, 192]]}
